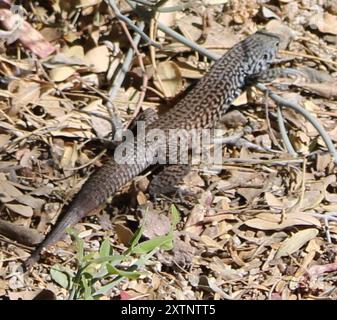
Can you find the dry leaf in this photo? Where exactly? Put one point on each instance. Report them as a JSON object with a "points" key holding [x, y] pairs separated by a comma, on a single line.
{"points": [[209, 242], [30, 201], [98, 58], [124, 234], [20, 209], [155, 224], [295, 242], [188, 71], [326, 90], [8, 192], [267, 221], [69, 157], [24, 93], [324, 22], [60, 74], [168, 79], [4, 138]]}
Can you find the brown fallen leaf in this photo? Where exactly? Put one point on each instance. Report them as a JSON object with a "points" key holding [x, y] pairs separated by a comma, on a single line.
{"points": [[168, 79], [20, 209], [98, 58], [24, 93], [124, 234], [8, 192], [295, 242], [189, 71], [324, 22], [209, 242], [267, 221], [326, 90], [60, 74]]}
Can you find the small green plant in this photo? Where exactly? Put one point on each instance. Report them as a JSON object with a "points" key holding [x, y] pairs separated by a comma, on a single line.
{"points": [[92, 268]]}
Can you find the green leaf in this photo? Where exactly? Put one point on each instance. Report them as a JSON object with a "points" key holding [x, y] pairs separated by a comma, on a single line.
{"points": [[87, 288], [60, 277], [113, 259], [128, 274], [104, 289], [136, 237], [175, 215], [89, 256], [164, 242], [104, 250], [79, 244]]}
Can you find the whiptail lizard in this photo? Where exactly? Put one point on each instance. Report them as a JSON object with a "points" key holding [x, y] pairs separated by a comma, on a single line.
{"points": [[202, 107]]}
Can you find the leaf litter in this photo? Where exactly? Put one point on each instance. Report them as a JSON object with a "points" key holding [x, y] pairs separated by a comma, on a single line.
{"points": [[261, 227]]}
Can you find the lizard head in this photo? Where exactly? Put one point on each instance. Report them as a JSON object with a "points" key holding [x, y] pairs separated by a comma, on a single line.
{"points": [[260, 50]]}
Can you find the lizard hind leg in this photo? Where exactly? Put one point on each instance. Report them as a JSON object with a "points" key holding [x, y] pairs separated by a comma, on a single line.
{"points": [[169, 181]]}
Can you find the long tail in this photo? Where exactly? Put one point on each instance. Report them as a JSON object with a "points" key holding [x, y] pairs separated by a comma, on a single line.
{"points": [[95, 192], [57, 233]]}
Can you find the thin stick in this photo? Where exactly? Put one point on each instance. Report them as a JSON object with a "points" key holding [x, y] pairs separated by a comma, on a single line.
{"points": [[308, 56], [284, 134], [175, 35], [272, 136], [129, 22], [145, 77], [307, 115]]}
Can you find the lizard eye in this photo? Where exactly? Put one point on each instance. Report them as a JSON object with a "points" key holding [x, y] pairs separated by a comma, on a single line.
{"points": [[266, 56]]}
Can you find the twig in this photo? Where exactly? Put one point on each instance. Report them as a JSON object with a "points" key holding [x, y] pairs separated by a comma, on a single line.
{"points": [[153, 29], [284, 134], [175, 35], [331, 216], [306, 114], [308, 56], [86, 164], [305, 39], [119, 80], [303, 183], [187, 42], [238, 141], [271, 133], [131, 24], [144, 74], [126, 65]]}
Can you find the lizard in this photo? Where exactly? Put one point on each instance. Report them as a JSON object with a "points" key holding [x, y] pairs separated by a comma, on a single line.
{"points": [[201, 108]]}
